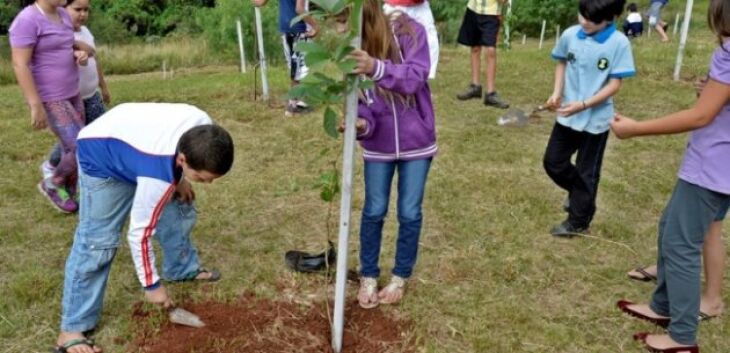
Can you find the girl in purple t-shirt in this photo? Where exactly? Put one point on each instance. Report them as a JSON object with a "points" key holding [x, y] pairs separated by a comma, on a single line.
{"points": [[702, 190], [45, 62]]}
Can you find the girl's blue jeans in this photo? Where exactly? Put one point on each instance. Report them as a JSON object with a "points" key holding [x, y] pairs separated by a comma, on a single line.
{"points": [[412, 177], [105, 204]]}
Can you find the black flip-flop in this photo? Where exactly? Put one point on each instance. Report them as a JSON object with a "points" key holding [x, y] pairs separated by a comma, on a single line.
{"points": [[648, 277], [705, 317], [215, 276], [305, 262], [72, 343]]}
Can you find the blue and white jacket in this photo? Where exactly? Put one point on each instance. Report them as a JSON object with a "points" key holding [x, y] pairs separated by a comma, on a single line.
{"points": [[136, 143]]}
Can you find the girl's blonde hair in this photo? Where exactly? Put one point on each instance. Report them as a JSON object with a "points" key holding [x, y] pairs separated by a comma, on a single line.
{"points": [[378, 38]]}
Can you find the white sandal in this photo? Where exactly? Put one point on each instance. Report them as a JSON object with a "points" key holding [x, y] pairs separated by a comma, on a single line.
{"points": [[367, 296], [397, 284]]}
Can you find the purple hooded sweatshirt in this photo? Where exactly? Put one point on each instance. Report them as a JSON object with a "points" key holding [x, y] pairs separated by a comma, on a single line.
{"points": [[398, 130]]}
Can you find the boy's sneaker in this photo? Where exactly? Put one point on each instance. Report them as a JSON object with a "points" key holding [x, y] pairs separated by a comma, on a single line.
{"points": [[59, 198], [495, 100], [474, 91], [303, 106], [567, 230], [293, 108], [47, 169]]}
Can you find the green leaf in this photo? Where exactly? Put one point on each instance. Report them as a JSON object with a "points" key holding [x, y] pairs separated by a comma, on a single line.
{"points": [[317, 58], [367, 84], [324, 79], [330, 122], [346, 66], [298, 19], [342, 51], [329, 184], [330, 6], [310, 47]]}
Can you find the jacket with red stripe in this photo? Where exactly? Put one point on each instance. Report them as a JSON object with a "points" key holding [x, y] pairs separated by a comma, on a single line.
{"points": [[136, 143]]}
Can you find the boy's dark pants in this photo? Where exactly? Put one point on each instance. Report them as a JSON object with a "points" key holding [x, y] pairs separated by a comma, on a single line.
{"points": [[581, 179]]}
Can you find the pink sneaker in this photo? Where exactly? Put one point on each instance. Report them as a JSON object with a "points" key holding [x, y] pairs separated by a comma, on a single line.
{"points": [[59, 198]]}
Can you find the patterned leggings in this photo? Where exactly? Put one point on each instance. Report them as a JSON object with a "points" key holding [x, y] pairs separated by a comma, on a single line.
{"points": [[93, 108], [65, 119]]}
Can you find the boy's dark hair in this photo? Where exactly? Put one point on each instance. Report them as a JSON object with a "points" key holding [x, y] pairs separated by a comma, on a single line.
{"points": [[598, 11], [208, 148], [633, 7], [718, 17]]}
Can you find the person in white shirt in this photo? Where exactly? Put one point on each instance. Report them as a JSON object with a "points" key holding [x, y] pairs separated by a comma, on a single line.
{"points": [[633, 25]]}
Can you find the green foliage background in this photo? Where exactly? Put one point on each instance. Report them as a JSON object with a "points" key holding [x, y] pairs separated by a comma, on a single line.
{"points": [[116, 22], [122, 21]]}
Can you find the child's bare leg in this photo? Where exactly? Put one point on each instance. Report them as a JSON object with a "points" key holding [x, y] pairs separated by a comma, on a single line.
{"points": [[660, 29], [491, 60], [476, 53]]}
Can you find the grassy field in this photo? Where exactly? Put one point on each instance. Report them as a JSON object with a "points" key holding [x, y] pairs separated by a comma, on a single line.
{"points": [[489, 278]]}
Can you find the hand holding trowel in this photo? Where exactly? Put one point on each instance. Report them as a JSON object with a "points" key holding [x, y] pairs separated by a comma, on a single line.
{"points": [[518, 117]]}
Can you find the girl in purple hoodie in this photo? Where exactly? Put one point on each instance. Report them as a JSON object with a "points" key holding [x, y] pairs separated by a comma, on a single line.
{"points": [[397, 132]]}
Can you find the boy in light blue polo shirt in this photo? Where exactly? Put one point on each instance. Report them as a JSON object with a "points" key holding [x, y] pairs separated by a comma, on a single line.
{"points": [[593, 58]]}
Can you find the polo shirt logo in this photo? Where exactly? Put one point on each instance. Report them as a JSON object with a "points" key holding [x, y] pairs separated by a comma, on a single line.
{"points": [[602, 64], [571, 57]]}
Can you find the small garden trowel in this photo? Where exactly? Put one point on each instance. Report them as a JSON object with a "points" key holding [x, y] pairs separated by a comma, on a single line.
{"points": [[518, 117], [181, 316]]}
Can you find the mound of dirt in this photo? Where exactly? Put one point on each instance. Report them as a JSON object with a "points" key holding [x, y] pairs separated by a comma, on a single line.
{"points": [[256, 325]]}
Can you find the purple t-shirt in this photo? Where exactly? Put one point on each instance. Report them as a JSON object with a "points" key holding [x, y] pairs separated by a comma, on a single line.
{"points": [[53, 64], [707, 159]]}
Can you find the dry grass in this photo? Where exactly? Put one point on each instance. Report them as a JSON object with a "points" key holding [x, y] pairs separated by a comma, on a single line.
{"points": [[489, 277]]}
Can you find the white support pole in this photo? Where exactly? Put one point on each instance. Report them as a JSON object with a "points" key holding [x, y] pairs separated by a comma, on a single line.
{"points": [[241, 50], [683, 39], [345, 205], [557, 33], [524, 39], [676, 25], [262, 54], [542, 33]]}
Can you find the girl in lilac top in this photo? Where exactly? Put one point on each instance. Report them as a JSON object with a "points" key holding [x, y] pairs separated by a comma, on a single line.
{"points": [[702, 190], [45, 64], [396, 128]]}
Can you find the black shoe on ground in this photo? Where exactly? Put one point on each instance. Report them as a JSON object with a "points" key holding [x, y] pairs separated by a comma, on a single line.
{"points": [[493, 99], [566, 230], [474, 91]]}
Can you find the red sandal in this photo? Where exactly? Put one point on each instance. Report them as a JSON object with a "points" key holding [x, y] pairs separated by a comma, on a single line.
{"points": [[641, 336], [624, 306]]}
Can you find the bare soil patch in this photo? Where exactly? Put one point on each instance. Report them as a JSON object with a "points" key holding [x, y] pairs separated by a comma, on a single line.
{"points": [[256, 325]]}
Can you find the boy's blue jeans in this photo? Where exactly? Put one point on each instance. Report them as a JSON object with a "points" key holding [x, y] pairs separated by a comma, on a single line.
{"points": [[104, 207], [412, 177]]}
